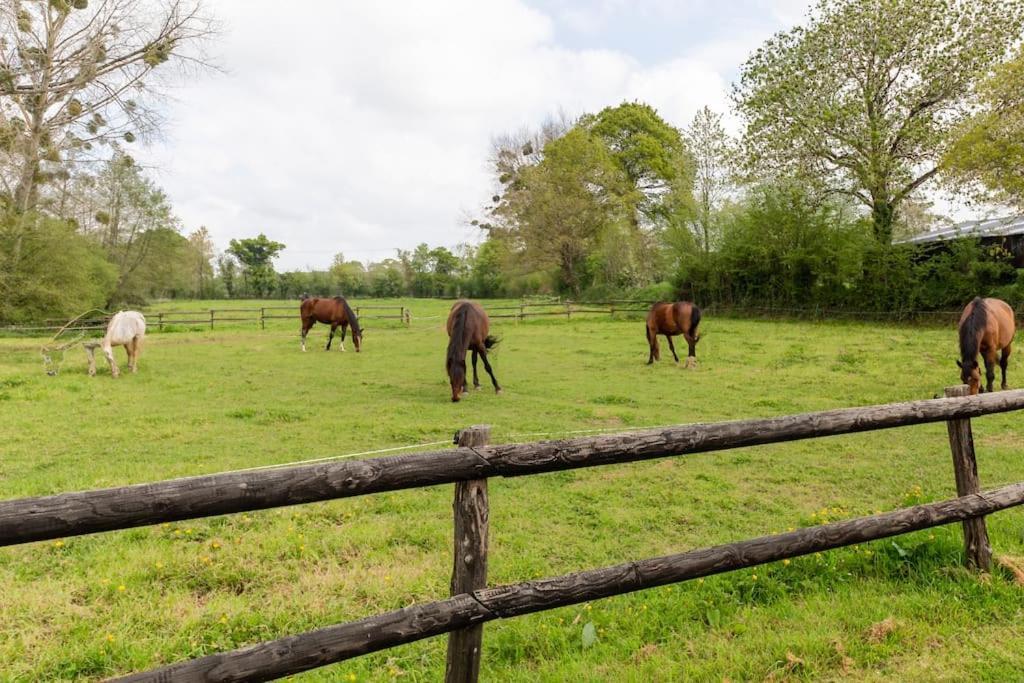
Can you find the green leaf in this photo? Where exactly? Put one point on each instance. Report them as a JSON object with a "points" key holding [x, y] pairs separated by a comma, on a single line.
{"points": [[589, 635]]}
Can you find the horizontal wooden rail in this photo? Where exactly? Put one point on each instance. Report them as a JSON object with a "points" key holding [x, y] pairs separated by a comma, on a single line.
{"points": [[71, 514], [299, 653]]}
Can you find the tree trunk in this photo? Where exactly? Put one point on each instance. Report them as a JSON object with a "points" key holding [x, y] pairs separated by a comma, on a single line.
{"points": [[883, 215]]}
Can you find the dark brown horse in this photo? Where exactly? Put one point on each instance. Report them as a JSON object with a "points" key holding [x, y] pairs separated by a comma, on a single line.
{"points": [[468, 329], [682, 317], [334, 312], [986, 327]]}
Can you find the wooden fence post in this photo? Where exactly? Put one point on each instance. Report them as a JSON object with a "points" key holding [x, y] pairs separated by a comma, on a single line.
{"points": [[965, 467], [160, 320], [211, 318], [469, 572], [263, 318]]}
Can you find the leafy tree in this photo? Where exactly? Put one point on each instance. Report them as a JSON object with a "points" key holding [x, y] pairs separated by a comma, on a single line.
{"points": [[650, 153], [58, 273], [227, 268], [201, 251], [256, 254], [386, 278], [989, 148], [122, 209], [863, 98], [568, 201], [348, 276], [714, 156], [165, 270]]}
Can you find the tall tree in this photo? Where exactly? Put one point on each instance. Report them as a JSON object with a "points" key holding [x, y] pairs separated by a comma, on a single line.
{"points": [[651, 154], [567, 202], [714, 155], [123, 209], [201, 251], [76, 74], [227, 269], [256, 254], [863, 97], [987, 154]]}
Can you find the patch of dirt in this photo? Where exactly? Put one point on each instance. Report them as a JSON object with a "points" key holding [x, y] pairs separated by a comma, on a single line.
{"points": [[880, 631], [1015, 565]]}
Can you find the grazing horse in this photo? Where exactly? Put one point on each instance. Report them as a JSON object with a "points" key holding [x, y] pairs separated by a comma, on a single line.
{"points": [[127, 329], [468, 328], [682, 317], [986, 327], [333, 312]]}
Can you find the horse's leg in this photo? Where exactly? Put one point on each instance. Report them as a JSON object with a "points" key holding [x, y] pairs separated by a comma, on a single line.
{"points": [[487, 367], [652, 342], [330, 337], [344, 327], [691, 350], [90, 351], [990, 370], [1003, 359], [109, 353], [306, 324], [476, 380], [672, 346], [130, 349]]}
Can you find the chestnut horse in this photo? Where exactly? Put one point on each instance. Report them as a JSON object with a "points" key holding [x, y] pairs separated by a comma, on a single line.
{"points": [[682, 317], [333, 312], [986, 327], [468, 328]]}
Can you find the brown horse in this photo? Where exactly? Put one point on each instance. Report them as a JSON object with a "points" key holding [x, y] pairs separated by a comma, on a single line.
{"points": [[468, 328], [333, 312], [682, 317], [986, 327]]}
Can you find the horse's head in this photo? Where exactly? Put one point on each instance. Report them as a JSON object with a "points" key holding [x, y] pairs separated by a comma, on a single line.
{"points": [[357, 339], [457, 376], [970, 374]]}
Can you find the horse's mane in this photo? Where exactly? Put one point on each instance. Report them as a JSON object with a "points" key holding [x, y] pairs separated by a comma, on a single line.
{"points": [[970, 330], [350, 314], [457, 343]]}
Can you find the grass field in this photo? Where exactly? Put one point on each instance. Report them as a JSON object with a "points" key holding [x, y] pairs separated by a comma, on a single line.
{"points": [[89, 607]]}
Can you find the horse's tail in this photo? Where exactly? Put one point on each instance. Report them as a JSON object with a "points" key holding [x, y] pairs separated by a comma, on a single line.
{"points": [[694, 319], [491, 341], [352, 319], [970, 329]]}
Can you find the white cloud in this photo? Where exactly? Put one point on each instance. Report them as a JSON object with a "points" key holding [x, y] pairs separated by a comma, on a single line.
{"points": [[361, 127]]}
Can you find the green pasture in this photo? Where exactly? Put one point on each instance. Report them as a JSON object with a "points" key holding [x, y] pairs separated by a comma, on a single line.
{"points": [[238, 397]]}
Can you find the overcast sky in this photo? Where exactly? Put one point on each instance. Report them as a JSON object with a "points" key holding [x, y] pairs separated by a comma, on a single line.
{"points": [[362, 127]]}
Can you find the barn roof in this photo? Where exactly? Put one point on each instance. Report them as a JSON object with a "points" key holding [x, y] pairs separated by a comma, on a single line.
{"points": [[993, 227]]}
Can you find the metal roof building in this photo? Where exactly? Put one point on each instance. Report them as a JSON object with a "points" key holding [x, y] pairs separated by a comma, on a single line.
{"points": [[1006, 232], [993, 227]]}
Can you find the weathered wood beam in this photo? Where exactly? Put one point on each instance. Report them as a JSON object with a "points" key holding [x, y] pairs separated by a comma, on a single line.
{"points": [[469, 568], [70, 514], [337, 643], [977, 548]]}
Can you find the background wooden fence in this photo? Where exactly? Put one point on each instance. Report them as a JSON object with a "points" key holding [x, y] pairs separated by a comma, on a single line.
{"points": [[469, 466], [527, 309]]}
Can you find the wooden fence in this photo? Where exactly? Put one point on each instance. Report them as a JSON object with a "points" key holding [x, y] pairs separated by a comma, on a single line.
{"points": [[209, 318], [469, 466], [518, 312]]}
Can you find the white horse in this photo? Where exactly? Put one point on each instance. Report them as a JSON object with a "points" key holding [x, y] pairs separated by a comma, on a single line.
{"points": [[127, 329]]}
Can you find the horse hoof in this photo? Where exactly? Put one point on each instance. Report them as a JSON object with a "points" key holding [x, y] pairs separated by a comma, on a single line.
{"points": [[497, 392]]}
